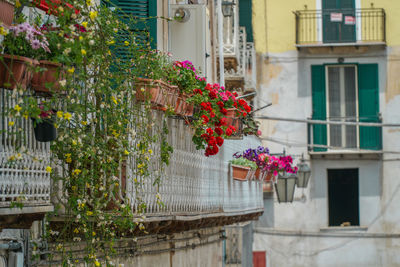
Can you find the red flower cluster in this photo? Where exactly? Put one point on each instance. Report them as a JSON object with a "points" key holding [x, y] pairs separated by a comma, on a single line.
{"points": [[212, 123]]}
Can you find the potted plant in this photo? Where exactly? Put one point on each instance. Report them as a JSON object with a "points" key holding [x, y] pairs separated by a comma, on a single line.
{"points": [[43, 125], [242, 169], [22, 45]]}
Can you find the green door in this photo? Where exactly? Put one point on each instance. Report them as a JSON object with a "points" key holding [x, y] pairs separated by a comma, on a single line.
{"points": [[338, 18]]}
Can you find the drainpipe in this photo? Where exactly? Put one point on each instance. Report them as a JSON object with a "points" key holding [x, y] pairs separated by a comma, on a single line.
{"points": [[220, 43]]}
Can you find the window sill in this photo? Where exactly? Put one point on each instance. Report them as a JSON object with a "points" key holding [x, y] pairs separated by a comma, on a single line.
{"points": [[347, 154], [331, 229]]}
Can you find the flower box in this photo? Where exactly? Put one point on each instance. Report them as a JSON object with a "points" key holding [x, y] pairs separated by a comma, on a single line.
{"points": [[16, 71], [241, 173], [53, 6], [6, 13], [232, 119], [50, 76], [148, 89]]}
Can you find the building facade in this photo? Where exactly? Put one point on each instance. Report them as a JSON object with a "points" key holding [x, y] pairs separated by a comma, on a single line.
{"points": [[198, 194], [329, 68]]}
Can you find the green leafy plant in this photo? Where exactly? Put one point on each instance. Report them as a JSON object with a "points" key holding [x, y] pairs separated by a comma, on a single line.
{"points": [[244, 162]]}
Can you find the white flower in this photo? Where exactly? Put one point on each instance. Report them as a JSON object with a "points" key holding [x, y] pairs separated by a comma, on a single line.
{"points": [[91, 42], [63, 82]]}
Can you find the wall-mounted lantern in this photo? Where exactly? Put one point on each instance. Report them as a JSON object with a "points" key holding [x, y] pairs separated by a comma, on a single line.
{"points": [[227, 8], [284, 187], [303, 174]]}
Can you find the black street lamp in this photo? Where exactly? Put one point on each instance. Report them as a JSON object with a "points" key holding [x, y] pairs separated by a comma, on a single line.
{"points": [[284, 187], [227, 8], [303, 174]]}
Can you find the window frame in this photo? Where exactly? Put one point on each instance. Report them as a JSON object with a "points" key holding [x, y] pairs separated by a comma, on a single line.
{"points": [[357, 119]]}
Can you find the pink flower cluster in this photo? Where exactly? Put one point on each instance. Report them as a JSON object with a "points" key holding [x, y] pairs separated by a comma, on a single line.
{"points": [[35, 38], [276, 164]]}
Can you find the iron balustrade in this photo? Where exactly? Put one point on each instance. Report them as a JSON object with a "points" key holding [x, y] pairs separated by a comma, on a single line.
{"points": [[340, 26]]}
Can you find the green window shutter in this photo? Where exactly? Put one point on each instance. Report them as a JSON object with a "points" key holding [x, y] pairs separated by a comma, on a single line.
{"points": [[144, 26], [245, 18], [318, 105], [368, 106]]}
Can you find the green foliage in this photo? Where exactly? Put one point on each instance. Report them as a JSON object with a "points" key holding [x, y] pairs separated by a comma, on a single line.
{"points": [[244, 162]]}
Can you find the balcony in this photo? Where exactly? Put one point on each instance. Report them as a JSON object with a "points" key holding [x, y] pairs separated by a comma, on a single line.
{"points": [[194, 190], [24, 180], [242, 78], [349, 138], [340, 27]]}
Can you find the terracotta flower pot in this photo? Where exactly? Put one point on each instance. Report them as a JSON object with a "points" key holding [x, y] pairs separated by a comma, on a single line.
{"points": [[231, 118], [240, 172], [179, 107], [51, 76], [15, 71], [147, 89], [269, 177], [6, 13]]}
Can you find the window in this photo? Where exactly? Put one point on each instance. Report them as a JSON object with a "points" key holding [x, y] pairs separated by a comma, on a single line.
{"points": [[343, 197], [335, 13], [342, 105], [345, 93]]}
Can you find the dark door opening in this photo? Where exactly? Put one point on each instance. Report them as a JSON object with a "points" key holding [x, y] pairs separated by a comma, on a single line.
{"points": [[343, 197]]}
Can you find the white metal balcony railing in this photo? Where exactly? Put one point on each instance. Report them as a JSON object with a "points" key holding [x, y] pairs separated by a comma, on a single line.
{"points": [[231, 34], [25, 179], [246, 67], [194, 184]]}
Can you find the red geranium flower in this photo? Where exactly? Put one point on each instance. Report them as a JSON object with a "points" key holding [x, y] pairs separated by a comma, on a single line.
{"points": [[205, 119], [219, 131], [219, 140]]}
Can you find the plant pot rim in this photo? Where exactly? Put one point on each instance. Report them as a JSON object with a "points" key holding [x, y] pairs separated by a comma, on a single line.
{"points": [[20, 58], [241, 167]]}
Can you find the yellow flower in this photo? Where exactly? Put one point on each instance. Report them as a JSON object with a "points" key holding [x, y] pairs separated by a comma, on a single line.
{"points": [[111, 42], [97, 263], [25, 115], [88, 2], [140, 165], [84, 122], [93, 233], [114, 100], [3, 31], [17, 4], [92, 15], [76, 172], [126, 43], [83, 51], [109, 52], [11, 123], [74, 142], [150, 151], [80, 38], [48, 169], [68, 160], [67, 116], [73, 188], [126, 152], [61, 9], [84, 24], [76, 230], [89, 213], [59, 114], [17, 108], [71, 70], [68, 155]]}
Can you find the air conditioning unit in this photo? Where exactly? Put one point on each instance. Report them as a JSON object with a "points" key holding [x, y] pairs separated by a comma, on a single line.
{"points": [[188, 35]]}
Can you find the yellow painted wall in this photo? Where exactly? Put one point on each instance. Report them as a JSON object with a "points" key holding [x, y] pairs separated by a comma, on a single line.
{"points": [[274, 22], [280, 24]]}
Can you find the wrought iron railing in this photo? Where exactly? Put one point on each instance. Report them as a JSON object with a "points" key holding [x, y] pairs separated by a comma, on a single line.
{"points": [[23, 175], [340, 26], [231, 34]]}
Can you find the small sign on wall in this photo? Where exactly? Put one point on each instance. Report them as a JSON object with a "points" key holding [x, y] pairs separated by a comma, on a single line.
{"points": [[336, 17], [349, 20]]}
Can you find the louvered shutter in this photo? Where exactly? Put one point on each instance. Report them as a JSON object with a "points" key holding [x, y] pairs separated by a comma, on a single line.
{"points": [[140, 15], [368, 98], [245, 18], [318, 105]]}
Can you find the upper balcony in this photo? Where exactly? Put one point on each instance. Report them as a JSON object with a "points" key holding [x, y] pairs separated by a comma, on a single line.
{"points": [[242, 77], [340, 27]]}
